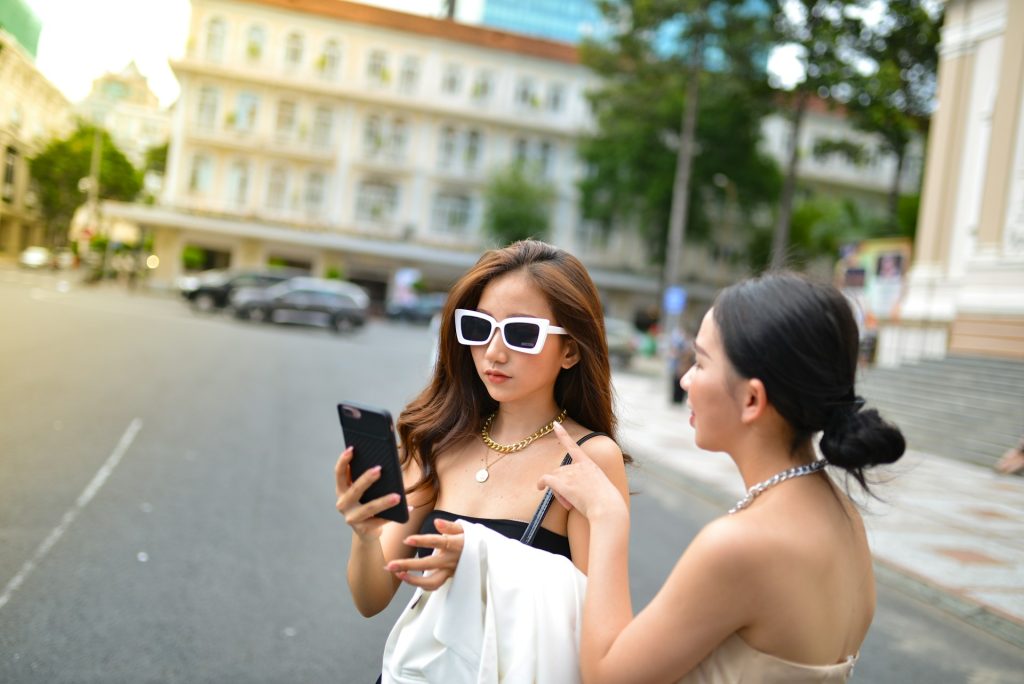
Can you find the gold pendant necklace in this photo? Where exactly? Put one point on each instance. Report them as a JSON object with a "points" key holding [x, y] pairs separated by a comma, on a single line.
{"points": [[506, 449]]}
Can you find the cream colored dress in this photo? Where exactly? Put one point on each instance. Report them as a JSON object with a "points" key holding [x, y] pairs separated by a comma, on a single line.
{"points": [[735, 662]]}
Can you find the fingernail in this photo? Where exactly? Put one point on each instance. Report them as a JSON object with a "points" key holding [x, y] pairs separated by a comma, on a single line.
{"points": [[396, 498]]}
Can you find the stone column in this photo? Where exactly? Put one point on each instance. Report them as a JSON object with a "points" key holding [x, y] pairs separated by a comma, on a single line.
{"points": [[1003, 143]]}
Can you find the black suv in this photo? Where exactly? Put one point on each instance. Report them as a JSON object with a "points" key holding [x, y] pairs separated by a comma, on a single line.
{"points": [[309, 301], [212, 290]]}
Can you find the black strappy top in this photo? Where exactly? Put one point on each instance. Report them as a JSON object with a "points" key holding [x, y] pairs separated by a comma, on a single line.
{"points": [[546, 540], [531, 534]]}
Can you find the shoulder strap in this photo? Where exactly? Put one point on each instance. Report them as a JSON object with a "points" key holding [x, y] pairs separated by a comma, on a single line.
{"points": [[545, 503]]}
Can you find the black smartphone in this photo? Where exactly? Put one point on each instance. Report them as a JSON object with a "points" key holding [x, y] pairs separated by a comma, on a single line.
{"points": [[371, 433]]}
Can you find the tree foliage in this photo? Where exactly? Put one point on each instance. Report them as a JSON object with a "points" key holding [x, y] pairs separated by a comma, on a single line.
{"points": [[895, 101], [631, 156], [58, 169], [156, 159], [517, 207]]}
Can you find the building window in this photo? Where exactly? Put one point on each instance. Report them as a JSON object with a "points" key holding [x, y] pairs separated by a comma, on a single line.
{"points": [[238, 183], [10, 174], [209, 101], [556, 97], [452, 213], [451, 79], [277, 188], [285, 124], [293, 51], [399, 135], [377, 202], [377, 68], [483, 84], [446, 153], [246, 109], [255, 43], [522, 151], [330, 60], [409, 77], [323, 120], [200, 174], [373, 136], [315, 192], [525, 95], [216, 31], [474, 142], [546, 158]]}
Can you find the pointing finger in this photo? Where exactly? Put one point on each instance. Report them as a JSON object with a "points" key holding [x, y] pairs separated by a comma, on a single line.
{"points": [[574, 449]]}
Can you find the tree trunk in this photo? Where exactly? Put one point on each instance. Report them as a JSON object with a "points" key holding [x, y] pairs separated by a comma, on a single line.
{"points": [[894, 188], [684, 164], [780, 238]]}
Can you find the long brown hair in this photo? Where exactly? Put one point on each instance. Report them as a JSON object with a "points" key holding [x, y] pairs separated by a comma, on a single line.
{"points": [[454, 403]]}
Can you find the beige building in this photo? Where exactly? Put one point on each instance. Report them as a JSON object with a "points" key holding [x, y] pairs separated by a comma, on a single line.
{"points": [[343, 136], [32, 111], [966, 286], [123, 104]]}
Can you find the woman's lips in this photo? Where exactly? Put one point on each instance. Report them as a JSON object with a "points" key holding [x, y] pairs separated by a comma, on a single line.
{"points": [[496, 377]]}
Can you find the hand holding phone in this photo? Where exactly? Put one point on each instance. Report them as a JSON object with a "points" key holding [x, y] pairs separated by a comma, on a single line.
{"points": [[371, 434]]}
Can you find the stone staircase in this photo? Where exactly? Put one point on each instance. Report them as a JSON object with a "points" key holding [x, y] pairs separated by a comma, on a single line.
{"points": [[963, 407]]}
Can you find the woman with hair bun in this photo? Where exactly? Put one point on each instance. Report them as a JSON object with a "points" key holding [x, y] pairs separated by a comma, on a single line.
{"points": [[781, 588]]}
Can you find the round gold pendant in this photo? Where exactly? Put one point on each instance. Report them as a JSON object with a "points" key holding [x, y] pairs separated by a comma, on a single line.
{"points": [[482, 475]]}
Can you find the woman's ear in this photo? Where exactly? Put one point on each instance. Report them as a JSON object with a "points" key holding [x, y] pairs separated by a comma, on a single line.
{"points": [[755, 400], [570, 354]]}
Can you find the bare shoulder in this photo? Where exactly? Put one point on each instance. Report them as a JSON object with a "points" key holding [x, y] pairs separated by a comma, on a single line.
{"points": [[604, 451], [728, 545]]}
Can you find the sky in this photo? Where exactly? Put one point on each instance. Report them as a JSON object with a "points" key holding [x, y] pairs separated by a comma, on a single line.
{"points": [[84, 39]]}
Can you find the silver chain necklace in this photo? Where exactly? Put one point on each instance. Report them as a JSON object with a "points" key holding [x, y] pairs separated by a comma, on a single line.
{"points": [[756, 490]]}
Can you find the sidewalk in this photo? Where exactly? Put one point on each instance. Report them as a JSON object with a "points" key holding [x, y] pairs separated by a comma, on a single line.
{"points": [[948, 532]]}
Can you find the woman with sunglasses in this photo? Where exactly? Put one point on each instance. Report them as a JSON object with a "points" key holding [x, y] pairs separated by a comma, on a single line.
{"points": [[522, 348], [781, 589]]}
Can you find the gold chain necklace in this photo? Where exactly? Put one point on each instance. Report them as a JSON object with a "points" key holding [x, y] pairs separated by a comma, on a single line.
{"points": [[506, 449]]}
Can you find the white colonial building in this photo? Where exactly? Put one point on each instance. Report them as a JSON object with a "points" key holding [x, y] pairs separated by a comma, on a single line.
{"points": [[32, 111], [966, 286], [334, 135]]}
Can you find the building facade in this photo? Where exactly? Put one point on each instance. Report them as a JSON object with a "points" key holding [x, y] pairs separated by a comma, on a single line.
{"points": [[32, 111], [567, 21], [867, 181], [123, 104], [340, 136], [966, 285]]}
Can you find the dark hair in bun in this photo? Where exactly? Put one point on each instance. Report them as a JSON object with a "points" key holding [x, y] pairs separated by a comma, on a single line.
{"points": [[800, 339]]}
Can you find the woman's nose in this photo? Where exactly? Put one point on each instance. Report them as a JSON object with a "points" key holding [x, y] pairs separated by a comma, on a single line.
{"points": [[684, 381], [496, 346]]}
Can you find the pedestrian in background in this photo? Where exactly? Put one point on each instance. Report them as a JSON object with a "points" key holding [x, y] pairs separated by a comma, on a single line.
{"points": [[781, 589], [522, 348]]}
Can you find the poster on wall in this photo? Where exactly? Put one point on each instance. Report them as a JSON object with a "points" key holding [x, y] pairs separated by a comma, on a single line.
{"points": [[873, 274]]}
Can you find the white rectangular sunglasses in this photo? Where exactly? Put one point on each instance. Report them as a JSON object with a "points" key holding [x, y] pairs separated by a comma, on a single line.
{"points": [[520, 333]]}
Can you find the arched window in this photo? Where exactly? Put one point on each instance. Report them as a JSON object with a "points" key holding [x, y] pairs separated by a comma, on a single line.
{"points": [[216, 32], [330, 60], [238, 183], [277, 187], [293, 51], [255, 43]]}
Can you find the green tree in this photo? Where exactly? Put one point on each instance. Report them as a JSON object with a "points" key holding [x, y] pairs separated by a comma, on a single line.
{"points": [[895, 100], [825, 35], [663, 57], [156, 159], [59, 168], [517, 206]]}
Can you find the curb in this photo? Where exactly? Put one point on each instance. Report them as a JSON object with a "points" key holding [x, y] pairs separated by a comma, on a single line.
{"points": [[894, 576]]}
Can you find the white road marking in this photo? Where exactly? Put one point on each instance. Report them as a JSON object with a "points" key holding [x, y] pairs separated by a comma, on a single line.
{"points": [[69, 517]]}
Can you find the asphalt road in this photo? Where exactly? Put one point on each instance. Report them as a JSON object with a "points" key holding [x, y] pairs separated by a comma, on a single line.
{"points": [[166, 501]]}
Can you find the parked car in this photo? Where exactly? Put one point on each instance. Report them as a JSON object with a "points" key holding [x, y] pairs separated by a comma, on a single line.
{"points": [[621, 337], [310, 301], [35, 257], [419, 310], [212, 290]]}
